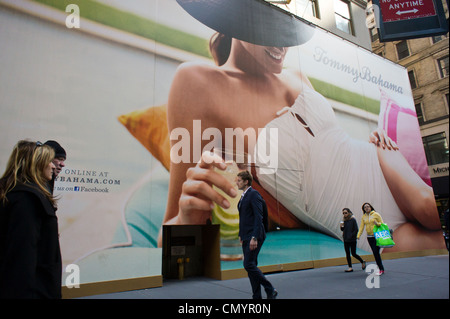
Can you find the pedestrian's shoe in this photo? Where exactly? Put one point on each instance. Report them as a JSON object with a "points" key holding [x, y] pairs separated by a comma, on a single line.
{"points": [[363, 265], [379, 273], [349, 270], [273, 295]]}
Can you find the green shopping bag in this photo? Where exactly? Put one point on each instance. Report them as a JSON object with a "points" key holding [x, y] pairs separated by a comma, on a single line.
{"points": [[383, 236]]}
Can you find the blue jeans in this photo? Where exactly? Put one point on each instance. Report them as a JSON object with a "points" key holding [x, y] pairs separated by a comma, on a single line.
{"points": [[255, 275]]}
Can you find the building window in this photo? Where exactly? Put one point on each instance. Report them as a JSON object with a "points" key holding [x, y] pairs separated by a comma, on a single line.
{"points": [[402, 49], [436, 148], [343, 16], [443, 66], [419, 113], [307, 7], [438, 38], [412, 79]]}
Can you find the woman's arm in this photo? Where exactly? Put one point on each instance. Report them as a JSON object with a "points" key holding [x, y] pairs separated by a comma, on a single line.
{"points": [[354, 227], [377, 220], [414, 198], [184, 105], [361, 228], [191, 98]]}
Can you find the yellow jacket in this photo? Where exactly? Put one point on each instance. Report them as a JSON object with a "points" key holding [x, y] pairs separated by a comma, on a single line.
{"points": [[369, 221]]}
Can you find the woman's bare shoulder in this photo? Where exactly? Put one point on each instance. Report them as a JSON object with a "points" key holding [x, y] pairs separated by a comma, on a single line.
{"points": [[195, 87], [198, 70], [296, 75], [198, 79]]}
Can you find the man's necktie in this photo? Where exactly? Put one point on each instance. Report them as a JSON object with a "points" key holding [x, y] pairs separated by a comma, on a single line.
{"points": [[239, 204]]}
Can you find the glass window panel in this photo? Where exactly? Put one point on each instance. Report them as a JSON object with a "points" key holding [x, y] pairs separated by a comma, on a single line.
{"points": [[402, 49], [436, 149], [412, 79], [419, 113], [343, 24], [443, 66], [306, 7], [341, 8]]}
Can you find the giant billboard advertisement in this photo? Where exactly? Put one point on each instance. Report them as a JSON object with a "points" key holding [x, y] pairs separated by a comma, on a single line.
{"points": [[137, 91]]}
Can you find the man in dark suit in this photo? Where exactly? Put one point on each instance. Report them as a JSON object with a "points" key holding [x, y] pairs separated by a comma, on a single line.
{"points": [[252, 232]]}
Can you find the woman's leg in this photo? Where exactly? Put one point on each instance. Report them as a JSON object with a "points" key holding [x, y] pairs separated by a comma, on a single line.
{"points": [[347, 254], [376, 252], [354, 254]]}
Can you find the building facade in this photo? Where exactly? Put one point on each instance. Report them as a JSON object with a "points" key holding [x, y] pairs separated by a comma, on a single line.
{"points": [[345, 18], [426, 60]]}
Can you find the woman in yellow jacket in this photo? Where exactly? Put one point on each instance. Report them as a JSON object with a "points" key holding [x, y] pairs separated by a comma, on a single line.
{"points": [[369, 219]]}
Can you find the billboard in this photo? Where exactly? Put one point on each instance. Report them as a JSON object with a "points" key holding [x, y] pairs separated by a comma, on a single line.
{"points": [[133, 93]]}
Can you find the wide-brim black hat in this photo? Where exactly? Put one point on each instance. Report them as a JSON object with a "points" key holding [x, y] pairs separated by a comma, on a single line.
{"points": [[254, 21]]}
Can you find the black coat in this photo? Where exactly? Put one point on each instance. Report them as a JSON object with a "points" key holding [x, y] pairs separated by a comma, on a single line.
{"points": [[252, 216], [350, 230], [30, 256]]}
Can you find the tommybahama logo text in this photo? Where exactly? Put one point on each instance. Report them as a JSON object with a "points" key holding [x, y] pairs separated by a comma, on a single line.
{"points": [[320, 55]]}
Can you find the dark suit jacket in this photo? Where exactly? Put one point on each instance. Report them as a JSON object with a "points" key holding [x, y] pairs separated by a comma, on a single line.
{"points": [[252, 216], [30, 256]]}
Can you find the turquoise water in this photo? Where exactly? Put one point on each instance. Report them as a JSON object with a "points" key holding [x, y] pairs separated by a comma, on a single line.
{"points": [[290, 246], [145, 210]]}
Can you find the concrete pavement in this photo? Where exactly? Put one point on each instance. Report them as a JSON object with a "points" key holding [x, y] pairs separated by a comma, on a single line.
{"points": [[405, 278]]}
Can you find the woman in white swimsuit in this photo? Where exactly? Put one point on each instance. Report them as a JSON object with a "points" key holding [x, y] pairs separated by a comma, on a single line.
{"points": [[320, 167]]}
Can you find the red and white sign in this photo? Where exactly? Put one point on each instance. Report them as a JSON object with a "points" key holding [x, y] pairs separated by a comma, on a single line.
{"points": [[394, 10]]}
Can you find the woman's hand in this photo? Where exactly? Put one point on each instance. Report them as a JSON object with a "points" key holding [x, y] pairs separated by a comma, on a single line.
{"points": [[198, 196], [381, 139]]}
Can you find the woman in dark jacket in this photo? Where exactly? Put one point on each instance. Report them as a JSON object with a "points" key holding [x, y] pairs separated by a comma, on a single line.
{"points": [[349, 228], [30, 256]]}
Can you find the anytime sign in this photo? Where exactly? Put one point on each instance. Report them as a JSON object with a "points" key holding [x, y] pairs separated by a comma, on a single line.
{"points": [[394, 10]]}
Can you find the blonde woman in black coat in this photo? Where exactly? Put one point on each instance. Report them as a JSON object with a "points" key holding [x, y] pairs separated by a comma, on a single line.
{"points": [[30, 256], [349, 228]]}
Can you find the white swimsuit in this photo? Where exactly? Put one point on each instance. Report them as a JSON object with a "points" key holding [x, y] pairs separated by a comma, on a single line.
{"points": [[317, 176]]}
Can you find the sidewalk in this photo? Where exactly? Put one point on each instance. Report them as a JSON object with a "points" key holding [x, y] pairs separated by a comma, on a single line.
{"points": [[405, 278]]}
